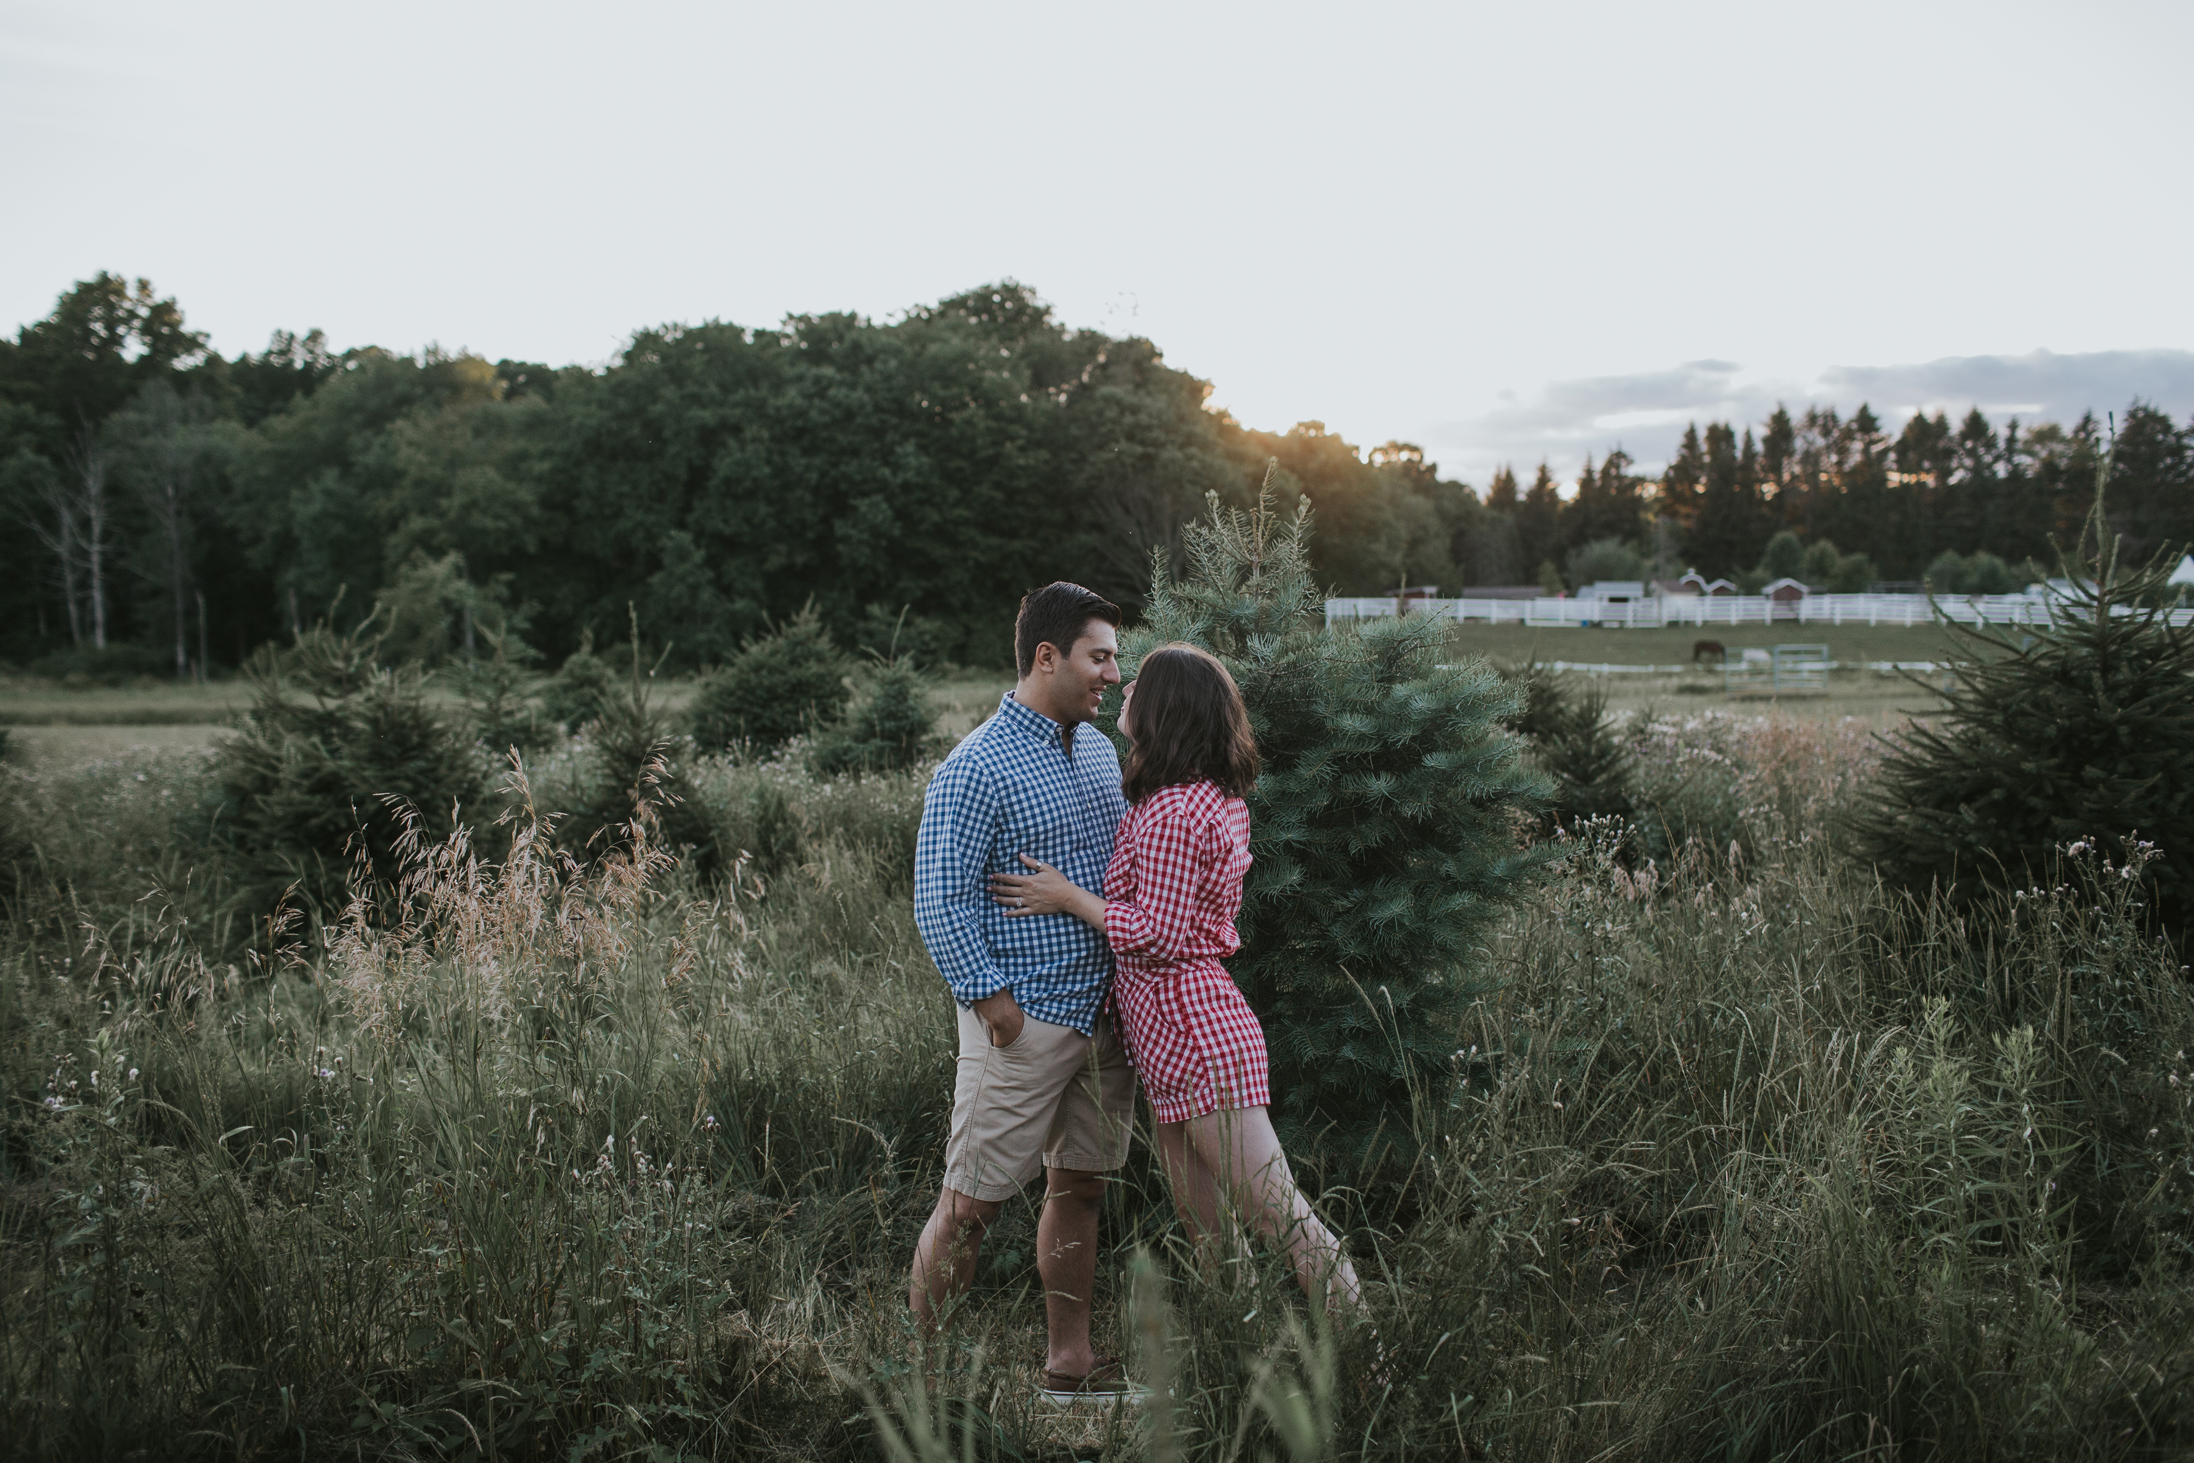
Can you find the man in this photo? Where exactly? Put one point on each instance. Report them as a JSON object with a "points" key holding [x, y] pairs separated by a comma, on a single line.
{"points": [[1042, 1080]]}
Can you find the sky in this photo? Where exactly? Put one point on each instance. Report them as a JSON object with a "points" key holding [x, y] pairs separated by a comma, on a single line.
{"points": [[1501, 231]]}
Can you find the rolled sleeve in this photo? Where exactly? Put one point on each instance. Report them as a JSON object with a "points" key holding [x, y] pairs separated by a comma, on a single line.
{"points": [[960, 816], [1173, 857]]}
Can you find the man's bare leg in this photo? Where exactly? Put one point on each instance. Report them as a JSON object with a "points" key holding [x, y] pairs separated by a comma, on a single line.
{"points": [[1066, 1260], [944, 1258]]}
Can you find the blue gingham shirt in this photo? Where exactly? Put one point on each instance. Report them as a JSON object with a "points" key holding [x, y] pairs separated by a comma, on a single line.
{"points": [[1009, 789]]}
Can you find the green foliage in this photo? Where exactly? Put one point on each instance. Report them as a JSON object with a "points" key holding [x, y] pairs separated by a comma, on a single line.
{"points": [[1550, 579], [1385, 825], [337, 751], [1838, 573], [789, 681], [1604, 558], [574, 695], [117, 665], [499, 685], [1978, 573], [1577, 744], [2083, 730], [418, 606], [1785, 557], [585, 1161], [891, 633], [717, 476], [890, 726], [637, 772]]}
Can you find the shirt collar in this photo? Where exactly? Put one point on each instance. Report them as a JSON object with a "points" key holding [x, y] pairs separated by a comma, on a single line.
{"points": [[1032, 722]]}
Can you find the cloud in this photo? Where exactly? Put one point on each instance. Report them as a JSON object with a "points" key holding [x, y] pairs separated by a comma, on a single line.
{"points": [[1645, 413]]}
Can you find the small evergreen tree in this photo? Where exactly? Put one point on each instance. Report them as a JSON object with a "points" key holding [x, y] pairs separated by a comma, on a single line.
{"points": [[1578, 745], [1384, 825], [789, 681], [332, 735], [638, 769], [498, 687], [574, 695], [2081, 730], [890, 726]]}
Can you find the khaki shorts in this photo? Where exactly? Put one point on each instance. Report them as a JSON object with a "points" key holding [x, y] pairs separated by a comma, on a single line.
{"points": [[1051, 1098]]}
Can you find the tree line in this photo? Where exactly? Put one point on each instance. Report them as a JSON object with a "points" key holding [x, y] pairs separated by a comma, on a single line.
{"points": [[173, 508]]}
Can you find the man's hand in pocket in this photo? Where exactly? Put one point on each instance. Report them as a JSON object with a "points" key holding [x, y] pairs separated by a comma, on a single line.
{"points": [[1003, 1015]]}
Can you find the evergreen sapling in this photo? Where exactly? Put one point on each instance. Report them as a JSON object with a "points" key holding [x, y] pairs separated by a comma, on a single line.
{"points": [[890, 726], [789, 681], [1385, 827], [333, 735], [2050, 736]]}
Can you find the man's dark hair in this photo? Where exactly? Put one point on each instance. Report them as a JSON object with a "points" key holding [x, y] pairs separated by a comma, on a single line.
{"points": [[1190, 726], [1057, 615]]}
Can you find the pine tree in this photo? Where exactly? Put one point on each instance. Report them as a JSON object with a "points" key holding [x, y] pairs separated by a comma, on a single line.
{"points": [[1539, 519], [574, 695], [890, 726], [1383, 827], [787, 682], [2084, 729], [637, 770], [1680, 484], [1501, 492], [337, 751]]}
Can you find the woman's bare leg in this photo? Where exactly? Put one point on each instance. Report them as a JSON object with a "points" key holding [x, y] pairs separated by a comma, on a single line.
{"points": [[1240, 1154]]}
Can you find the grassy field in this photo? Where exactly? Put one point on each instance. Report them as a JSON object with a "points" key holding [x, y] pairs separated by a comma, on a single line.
{"points": [[1741, 1157], [26, 702], [55, 724], [50, 726], [1625, 646]]}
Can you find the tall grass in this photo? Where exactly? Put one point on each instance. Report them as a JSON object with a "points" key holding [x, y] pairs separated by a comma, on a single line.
{"points": [[1738, 1157]]}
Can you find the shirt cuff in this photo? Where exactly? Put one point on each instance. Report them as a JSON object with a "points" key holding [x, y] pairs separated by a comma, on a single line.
{"points": [[981, 988]]}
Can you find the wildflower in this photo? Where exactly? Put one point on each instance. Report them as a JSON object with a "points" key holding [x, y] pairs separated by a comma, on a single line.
{"points": [[133, 1074]]}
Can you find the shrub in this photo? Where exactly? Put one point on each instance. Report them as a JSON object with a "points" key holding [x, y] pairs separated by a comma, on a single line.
{"points": [[1979, 573], [1853, 574], [890, 727], [116, 665], [2052, 736], [891, 634], [1589, 758], [636, 766], [1604, 558], [573, 696], [789, 681], [1785, 557], [500, 687], [308, 780], [1575, 742], [1384, 826]]}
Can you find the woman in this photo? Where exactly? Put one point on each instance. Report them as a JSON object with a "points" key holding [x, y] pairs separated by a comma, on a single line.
{"points": [[1172, 892]]}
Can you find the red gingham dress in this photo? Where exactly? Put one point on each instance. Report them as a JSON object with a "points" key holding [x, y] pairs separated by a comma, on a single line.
{"points": [[1172, 892]]}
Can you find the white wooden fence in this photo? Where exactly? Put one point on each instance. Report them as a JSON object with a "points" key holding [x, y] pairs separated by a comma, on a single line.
{"points": [[1727, 609]]}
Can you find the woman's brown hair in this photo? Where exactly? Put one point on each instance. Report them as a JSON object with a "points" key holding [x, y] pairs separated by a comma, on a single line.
{"points": [[1190, 725]]}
